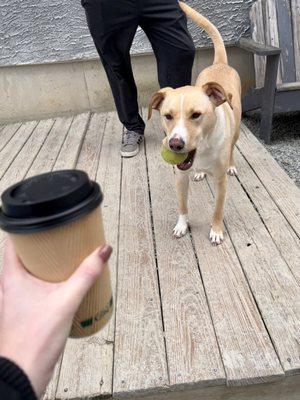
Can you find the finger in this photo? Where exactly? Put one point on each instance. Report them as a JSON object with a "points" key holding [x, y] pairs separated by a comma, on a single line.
{"points": [[1, 294], [83, 278]]}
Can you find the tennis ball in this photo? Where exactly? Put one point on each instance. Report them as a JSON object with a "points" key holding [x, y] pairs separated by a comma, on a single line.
{"points": [[171, 157]]}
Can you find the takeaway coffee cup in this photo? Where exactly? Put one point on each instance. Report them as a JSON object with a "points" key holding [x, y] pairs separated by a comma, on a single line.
{"points": [[55, 221]]}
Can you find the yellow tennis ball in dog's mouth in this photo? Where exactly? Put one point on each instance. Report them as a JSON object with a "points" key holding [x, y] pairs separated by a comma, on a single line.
{"points": [[171, 157]]}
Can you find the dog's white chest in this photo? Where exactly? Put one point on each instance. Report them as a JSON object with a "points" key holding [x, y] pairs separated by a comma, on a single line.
{"points": [[206, 159], [209, 151]]}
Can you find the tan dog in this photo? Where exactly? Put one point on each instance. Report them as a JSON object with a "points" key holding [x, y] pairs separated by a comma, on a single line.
{"points": [[203, 121]]}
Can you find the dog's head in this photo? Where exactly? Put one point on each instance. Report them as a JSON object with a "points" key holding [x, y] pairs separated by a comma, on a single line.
{"points": [[188, 114]]}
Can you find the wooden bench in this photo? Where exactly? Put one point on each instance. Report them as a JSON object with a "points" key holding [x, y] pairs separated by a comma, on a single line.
{"points": [[276, 46]]}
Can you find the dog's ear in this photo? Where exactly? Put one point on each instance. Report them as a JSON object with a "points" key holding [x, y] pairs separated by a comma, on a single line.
{"points": [[157, 99], [217, 94]]}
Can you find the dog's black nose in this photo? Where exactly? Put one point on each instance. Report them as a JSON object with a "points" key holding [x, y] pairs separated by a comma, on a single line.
{"points": [[176, 144]]}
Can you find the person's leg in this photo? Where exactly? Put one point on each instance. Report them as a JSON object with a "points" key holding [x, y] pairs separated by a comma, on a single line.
{"points": [[165, 25], [112, 25]]}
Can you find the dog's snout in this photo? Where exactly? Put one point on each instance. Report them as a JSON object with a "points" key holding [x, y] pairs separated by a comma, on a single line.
{"points": [[176, 144]]}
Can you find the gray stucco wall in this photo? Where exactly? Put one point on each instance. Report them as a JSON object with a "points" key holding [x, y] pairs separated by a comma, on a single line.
{"points": [[41, 31]]}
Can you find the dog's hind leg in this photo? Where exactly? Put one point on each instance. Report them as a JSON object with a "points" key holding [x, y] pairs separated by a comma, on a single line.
{"points": [[182, 188], [232, 168], [216, 232]]}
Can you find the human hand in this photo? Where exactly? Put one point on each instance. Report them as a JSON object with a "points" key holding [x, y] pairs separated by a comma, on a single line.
{"points": [[36, 316]]}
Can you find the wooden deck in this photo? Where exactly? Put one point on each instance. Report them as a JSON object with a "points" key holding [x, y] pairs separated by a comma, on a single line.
{"points": [[192, 321]]}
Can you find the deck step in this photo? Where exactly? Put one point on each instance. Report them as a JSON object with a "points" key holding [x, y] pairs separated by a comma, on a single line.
{"points": [[191, 320]]}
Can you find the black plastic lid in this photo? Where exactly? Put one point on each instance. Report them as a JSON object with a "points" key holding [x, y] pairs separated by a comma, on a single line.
{"points": [[47, 201]]}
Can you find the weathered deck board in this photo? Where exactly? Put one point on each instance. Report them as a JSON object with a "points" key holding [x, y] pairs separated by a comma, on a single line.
{"points": [[278, 184], [13, 147], [282, 234], [246, 348], [193, 354], [21, 164], [49, 152], [7, 133], [274, 287], [89, 156], [140, 357], [71, 147], [87, 366]]}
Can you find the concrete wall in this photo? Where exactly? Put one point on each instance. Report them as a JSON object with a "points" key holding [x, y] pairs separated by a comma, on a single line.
{"points": [[41, 91], [43, 31]]}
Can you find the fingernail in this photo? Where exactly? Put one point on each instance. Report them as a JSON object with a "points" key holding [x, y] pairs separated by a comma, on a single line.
{"points": [[105, 252]]}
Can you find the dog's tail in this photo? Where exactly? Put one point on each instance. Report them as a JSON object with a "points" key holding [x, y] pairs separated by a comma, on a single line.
{"points": [[210, 29]]}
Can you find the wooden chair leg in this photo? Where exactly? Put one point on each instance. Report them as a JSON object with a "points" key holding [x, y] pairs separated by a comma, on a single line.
{"points": [[268, 99]]}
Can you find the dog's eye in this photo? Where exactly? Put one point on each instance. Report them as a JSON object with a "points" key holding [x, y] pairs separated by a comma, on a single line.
{"points": [[195, 115], [169, 117]]}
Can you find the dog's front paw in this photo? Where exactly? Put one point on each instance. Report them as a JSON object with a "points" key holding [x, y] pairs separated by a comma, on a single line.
{"points": [[232, 171], [216, 236], [181, 227], [199, 176]]}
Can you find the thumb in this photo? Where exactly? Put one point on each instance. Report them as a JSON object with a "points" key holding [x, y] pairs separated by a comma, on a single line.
{"points": [[11, 262], [76, 287]]}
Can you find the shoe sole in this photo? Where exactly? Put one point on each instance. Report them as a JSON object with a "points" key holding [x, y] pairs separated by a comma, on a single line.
{"points": [[127, 154]]}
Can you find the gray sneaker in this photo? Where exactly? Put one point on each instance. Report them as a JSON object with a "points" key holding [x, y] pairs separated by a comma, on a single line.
{"points": [[130, 143]]}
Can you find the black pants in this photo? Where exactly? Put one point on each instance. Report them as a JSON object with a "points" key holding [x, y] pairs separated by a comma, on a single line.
{"points": [[113, 24]]}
